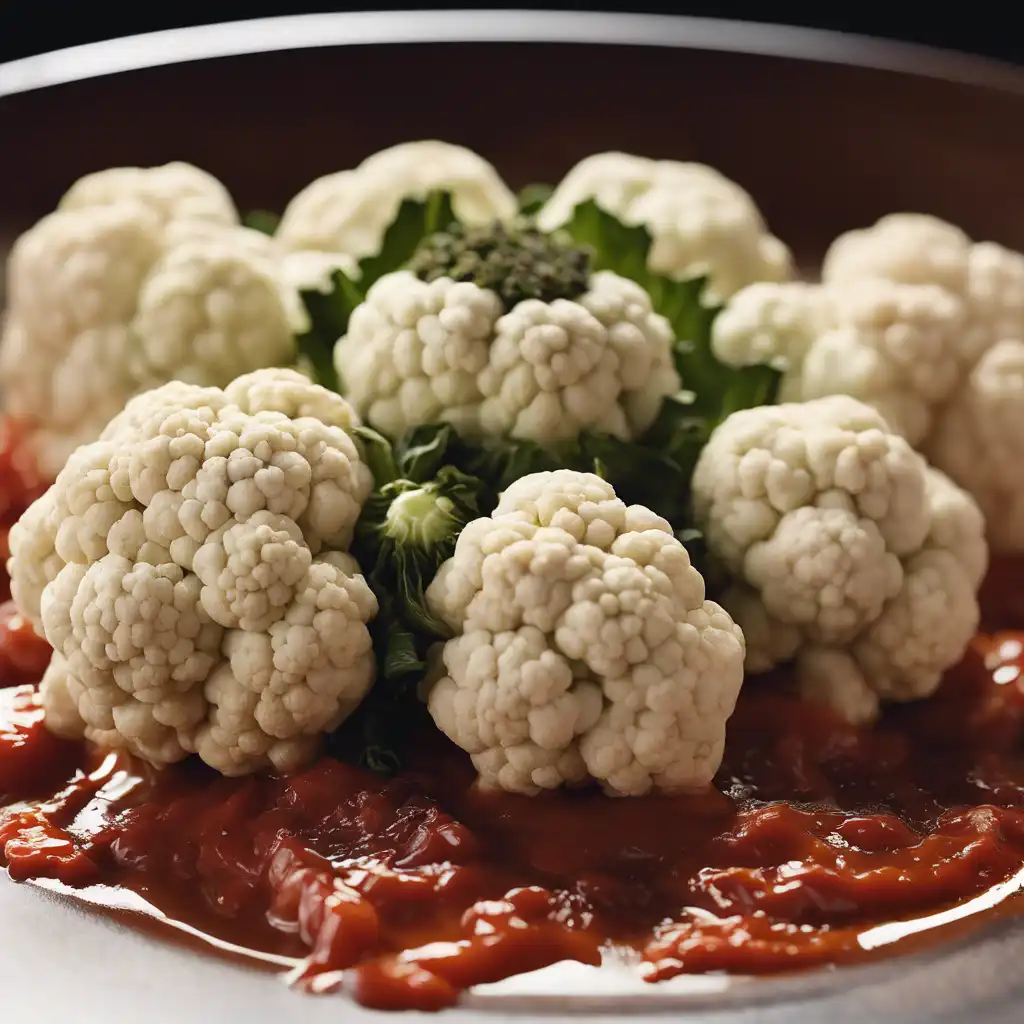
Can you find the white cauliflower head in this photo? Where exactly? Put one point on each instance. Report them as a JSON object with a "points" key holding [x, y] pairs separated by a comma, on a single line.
{"points": [[349, 211], [188, 569], [921, 322], [567, 352], [979, 441], [844, 546], [909, 248], [139, 276], [701, 222], [897, 347], [914, 248], [585, 647], [172, 192]]}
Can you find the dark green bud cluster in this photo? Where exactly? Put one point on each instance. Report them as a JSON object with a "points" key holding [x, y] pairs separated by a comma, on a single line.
{"points": [[515, 262]]}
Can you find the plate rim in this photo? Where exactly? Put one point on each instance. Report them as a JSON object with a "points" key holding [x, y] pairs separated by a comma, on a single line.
{"points": [[349, 28]]}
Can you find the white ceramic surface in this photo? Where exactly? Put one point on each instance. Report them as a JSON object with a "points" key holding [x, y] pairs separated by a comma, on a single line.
{"points": [[61, 964]]}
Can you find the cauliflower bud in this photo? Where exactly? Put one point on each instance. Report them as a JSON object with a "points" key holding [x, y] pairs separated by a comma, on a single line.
{"points": [[141, 275], [584, 645], [506, 332], [349, 211], [849, 554], [975, 438], [898, 347], [700, 222], [922, 323], [189, 570]]}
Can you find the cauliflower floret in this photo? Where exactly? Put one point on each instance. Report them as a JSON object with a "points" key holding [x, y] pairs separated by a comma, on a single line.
{"points": [[349, 211], [173, 192], [279, 691], [832, 678], [585, 646], [979, 441], [414, 349], [851, 556], [251, 569], [826, 570], [419, 352], [923, 631], [34, 561], [908, 248], [133, 633], [188, 569], [59, 707], [208, 312], [307, 270], [965, 429], [245, 239], [913, 248], [995, 293], [138, 276], [282, 390], [311, 270], [700, 222], [895, 346], [80, 269], [772, 323]]}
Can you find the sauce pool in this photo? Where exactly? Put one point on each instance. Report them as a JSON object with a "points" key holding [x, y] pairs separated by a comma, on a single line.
{"points": [[412, 889]]}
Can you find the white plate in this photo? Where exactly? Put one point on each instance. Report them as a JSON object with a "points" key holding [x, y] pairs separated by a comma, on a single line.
{"points": [[59, 963]]}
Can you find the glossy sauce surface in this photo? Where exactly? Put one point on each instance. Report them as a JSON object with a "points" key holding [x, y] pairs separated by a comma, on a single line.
{"points": [[421, 886]]}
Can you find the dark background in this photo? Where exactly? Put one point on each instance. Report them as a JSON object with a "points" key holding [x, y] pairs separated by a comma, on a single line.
{"points": [[979, 27]]}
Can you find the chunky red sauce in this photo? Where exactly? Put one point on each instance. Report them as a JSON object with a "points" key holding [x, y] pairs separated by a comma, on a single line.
{"points": [[420, 886], [20, 484]]}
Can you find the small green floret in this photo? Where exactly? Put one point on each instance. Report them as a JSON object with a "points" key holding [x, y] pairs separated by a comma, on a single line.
{"points": [[515, 262]]}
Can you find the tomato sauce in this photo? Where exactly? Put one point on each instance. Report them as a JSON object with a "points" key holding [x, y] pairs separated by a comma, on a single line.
{"points": [[407, 891], [20, 484]]}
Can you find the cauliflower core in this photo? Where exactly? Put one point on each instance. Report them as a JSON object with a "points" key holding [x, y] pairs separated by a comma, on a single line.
{"points": [[923, 324], [700, 222], [349, 211], [189, 570], [141, 275], [850, 555], [585, 645], [421, 352]]}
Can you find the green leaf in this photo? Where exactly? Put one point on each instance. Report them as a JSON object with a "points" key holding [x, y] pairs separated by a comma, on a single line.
{"points": [[640, 474], [328, 314], [613, 245], [329, 311], [406, 530], [402, 657], [378, 758], [533, 197], [494, 463], [264, 221], [717, 389], [378, 455], [414, 221], [400, 557], [424, 450]]}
